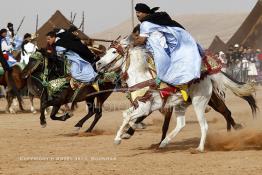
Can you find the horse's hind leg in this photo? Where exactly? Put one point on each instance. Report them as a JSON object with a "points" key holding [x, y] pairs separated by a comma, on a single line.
{"points": [[98, 115], [168, 114], [55, 110], [199, 104], [9, 98], [218, 105], [42, 116], [180, 124], [32, 108], [91, 112]]}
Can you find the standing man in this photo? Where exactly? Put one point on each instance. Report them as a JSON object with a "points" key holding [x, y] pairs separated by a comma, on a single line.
{"points": [[176, 53]]}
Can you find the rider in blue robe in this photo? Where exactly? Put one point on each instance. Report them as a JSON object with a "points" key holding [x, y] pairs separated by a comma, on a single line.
{"points": [[176, 54]]}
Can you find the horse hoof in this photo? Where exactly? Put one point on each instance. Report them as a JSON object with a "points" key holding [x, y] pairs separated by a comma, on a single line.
{"points": [[11, 111], [77, 129], [126, 136], [70, 114], [207, 109], [43, 125], [34, 112], [238, 127], [195, 151], [164, 143], [141, 126], [117, 142]]}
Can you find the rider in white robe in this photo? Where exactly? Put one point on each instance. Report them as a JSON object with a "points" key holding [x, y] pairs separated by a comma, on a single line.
{"points": [[175, 52], [28, 48], [80, 69]]}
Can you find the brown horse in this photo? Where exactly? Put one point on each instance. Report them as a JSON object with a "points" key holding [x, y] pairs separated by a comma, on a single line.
{"points": [[19, 83], [34, 71]]}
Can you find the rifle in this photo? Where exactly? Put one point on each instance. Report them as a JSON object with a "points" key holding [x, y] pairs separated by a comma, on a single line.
{"points": [[19, 26], [73, 20]]}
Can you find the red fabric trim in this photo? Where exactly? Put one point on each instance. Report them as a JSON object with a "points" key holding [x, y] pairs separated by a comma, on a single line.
{"points": [[166, 92], [6, 56]]}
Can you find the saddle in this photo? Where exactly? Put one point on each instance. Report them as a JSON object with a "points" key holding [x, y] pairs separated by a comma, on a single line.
{"points": [[141, 92]]}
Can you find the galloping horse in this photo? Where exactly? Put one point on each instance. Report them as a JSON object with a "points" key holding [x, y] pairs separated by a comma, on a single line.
{"points": [[131, 63], [34, 73]]}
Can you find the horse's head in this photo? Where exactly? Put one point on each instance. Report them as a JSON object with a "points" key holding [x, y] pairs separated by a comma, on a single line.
{"points": [[114, 57]]}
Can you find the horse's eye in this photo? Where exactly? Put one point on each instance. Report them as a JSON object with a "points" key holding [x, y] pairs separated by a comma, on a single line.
{"points": [[114, 52]]}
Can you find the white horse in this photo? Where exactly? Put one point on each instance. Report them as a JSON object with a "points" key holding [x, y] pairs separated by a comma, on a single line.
{"points": [[132, 61]]}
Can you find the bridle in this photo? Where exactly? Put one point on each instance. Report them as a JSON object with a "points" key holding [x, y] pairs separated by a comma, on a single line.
{"points": [[121, 53]]}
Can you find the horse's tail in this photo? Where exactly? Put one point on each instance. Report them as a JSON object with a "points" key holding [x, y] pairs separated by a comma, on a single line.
{"points": [[222, 81]]}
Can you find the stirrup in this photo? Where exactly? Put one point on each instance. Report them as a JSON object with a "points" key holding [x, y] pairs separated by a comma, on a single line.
{"points": [[96, 86], [74, 83], [183, 90]]}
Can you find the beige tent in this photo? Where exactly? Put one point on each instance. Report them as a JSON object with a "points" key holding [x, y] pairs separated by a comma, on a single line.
{"points": [[250, 32], [58, 20], [217, 45]]}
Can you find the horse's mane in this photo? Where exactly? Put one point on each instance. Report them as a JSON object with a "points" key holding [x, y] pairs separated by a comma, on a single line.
{"points": [[138, 51]]}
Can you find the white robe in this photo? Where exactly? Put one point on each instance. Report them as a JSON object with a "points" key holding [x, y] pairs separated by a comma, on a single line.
{"points": [[80, 69], [175, 52], [30, 48]]}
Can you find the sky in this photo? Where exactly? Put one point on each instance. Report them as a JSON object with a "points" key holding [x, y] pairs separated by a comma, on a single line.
{"points": [[103, 14]]}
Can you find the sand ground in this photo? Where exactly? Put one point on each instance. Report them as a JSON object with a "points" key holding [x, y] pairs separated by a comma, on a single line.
{"points": [[26, 148]]}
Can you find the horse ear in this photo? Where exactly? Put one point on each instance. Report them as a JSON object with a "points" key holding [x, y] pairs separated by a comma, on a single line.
{"points": [[126, 41], [118, 38]]}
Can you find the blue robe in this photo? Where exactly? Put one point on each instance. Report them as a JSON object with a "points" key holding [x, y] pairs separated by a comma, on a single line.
{"points": [[175, 52], [80, 69]]}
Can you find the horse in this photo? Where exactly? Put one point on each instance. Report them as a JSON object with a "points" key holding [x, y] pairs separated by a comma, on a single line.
{"points": [[34, 73], [215, 102], [19, 84], [138, 76]]}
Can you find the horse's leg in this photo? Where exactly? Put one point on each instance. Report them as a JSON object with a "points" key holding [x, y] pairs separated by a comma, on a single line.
{"points": [[101, 98], [200, 94], [91, 112], [168, 114], [180, 124], [55, 110], [143, 109], [9, 98], [43, 106], [98, 115], [218, 105], [31, 98], [42, 115], [131, 130], [199, 103]]}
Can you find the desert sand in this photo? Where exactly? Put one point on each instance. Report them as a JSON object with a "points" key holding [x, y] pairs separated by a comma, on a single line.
{"points": [[26, 148]]}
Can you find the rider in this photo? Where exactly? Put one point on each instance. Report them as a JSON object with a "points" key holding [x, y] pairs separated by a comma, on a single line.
{"points": [[6, 48], [28, 48], [77, 54], [10, 34], [176, 53]]}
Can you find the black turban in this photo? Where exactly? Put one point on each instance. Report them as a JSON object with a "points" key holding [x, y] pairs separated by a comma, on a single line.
{"points": [[140, 7]]}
